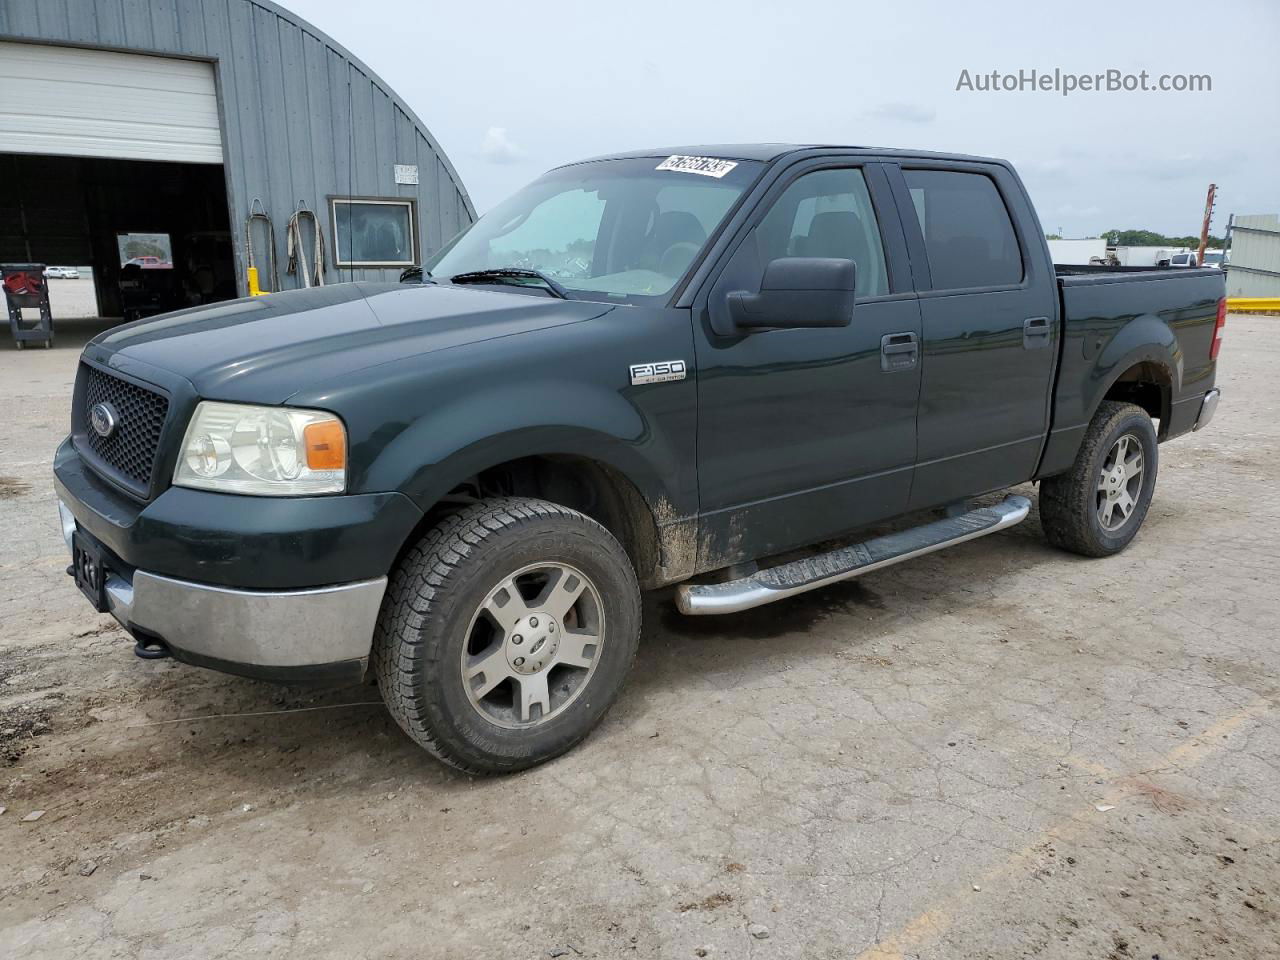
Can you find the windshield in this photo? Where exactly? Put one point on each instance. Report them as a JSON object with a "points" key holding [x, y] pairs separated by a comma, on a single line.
{"points": [[1214, 258], [617, 230]]}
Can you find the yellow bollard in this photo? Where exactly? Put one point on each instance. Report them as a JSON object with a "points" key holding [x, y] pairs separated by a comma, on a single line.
{"points": [[254, 289], [1253, 304]]}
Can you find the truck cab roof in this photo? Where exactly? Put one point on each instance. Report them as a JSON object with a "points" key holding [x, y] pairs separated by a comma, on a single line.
{"points": [[767, 152]]}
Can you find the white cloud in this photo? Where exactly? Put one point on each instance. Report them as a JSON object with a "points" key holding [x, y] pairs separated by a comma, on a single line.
{"points": [[498, 148]]}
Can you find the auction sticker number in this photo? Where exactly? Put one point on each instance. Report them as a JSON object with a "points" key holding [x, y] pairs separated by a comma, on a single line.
{"points": [[703, 166]]}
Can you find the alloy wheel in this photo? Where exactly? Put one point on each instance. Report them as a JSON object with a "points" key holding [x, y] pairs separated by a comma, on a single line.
{"points": [[1120, 483], [533, 644]]}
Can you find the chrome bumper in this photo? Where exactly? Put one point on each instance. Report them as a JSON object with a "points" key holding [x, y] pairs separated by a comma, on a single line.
{"points": [[254, 628], [1208, 407]]}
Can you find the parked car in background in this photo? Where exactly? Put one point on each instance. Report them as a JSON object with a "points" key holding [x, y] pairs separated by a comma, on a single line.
{"points": [[62, 273], [150, 263], [1143, 256], [1180, 260], [639, 371]]}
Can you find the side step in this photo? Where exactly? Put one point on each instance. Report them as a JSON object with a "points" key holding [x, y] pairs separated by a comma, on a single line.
{"points": [[800, 576]]}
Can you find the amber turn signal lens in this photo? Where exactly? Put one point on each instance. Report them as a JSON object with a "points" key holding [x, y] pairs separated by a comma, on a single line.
{"points": [[326, 445]]}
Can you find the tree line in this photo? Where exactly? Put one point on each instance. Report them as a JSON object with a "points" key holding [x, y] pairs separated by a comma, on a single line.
{"points": [[1149, 238]]}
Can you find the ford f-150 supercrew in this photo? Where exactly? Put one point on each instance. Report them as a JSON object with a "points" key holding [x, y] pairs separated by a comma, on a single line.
{"points": [[664, 367]]}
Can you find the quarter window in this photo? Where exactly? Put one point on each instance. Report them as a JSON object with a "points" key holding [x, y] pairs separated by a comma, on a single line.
{"points": [[967, 231], [827, 213]]}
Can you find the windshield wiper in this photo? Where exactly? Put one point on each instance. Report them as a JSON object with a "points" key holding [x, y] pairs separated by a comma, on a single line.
{"points": [[416, 275], [509, 274]]}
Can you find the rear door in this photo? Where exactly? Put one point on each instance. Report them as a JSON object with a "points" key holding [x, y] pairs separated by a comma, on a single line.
{"points": [[989, 321], [807, 433]]}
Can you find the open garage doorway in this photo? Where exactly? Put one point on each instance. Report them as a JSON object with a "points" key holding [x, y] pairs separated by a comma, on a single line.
{"points": [[155, 234], [111, 176]]}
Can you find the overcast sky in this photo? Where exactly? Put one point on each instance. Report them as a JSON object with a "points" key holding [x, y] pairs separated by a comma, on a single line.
{"points": [[512, 89]]}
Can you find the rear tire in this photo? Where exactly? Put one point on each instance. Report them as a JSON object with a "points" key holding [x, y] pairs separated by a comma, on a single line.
{"points": [[1097, 507], [506, 634]]}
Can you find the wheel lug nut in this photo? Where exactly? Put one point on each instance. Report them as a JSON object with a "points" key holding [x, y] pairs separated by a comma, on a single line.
{"points": [[533, 621], [519, 661], [517, 639]]}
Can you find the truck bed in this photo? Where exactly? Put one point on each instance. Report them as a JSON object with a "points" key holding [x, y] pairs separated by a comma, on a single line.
{"points": [[1091, 270], [1114, 318]]}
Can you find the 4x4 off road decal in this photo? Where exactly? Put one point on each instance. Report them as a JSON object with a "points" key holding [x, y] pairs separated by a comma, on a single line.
{"points": [[659, 372]]}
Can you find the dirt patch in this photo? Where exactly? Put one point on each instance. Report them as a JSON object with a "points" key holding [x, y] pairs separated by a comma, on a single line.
{"points": [[27, 705], [11, 488], [713, 902], [1166, 801]]}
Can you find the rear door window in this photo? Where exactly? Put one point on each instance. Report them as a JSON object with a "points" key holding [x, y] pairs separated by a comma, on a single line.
{"points": [[968, 235]]}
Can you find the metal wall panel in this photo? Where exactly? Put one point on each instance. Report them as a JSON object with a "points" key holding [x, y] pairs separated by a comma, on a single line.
{"points": [[301, 118], [1254, 270]]}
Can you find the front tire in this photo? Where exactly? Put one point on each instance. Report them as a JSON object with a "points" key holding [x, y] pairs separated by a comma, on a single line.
{"points": [[1097, 507], [506, 634]]}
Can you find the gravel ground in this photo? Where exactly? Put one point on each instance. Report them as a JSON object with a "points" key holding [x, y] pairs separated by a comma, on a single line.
{"points": [[995, 751]]}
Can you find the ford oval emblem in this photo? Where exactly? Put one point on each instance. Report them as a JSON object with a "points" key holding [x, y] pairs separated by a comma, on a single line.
{"points": [[103, 419]]}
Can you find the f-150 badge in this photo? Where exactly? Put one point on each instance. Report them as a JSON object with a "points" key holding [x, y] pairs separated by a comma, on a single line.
{"points": [[659, 372]]}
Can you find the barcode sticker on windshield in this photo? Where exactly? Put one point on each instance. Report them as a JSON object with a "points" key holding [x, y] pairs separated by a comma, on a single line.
{"points": [[704, 166]]}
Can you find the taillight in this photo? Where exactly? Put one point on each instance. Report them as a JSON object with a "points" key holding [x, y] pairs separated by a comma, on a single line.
{"points": [[1217, 329]]}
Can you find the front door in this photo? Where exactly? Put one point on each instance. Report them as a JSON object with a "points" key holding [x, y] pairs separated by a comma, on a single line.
{"points": [[804, 434]]}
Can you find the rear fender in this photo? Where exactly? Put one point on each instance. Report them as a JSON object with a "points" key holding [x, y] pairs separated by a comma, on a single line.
{"points": [[1145, 339], [1083, 386]]}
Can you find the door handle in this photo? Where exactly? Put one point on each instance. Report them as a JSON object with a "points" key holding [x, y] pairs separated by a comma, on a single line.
{"points": [[899, 351], [1035, 332]]}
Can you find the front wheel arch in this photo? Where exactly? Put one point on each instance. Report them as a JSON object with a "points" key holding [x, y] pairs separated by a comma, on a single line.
{"points": [[660, 544]]}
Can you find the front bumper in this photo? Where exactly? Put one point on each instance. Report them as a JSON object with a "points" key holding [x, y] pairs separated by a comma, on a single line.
{"points": [[319, 634], [241, 542]]}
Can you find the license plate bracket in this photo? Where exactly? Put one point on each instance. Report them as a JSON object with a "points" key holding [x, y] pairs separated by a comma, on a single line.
{"points": [[87, 567]]}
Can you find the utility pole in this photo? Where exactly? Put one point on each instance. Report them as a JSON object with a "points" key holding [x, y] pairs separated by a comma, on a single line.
{"points": [[1204, 225]]}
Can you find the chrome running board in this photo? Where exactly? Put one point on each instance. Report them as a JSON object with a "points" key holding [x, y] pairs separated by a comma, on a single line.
{"points": [[800, 576]]}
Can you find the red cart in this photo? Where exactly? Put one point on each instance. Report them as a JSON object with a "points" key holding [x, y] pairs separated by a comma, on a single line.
{"points": [[25, 286]]}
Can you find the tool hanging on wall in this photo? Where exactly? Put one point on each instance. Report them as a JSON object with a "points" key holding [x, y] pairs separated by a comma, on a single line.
{"points": [[297, 251], [257, 211]]}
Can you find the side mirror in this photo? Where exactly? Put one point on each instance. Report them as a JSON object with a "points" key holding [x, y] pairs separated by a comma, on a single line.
{"points": [[799, 292]]}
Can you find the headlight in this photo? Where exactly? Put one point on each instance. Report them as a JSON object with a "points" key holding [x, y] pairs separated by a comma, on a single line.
{"points": [[269, 451]]}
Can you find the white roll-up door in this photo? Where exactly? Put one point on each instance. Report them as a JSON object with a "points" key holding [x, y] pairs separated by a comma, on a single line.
{"points": [[97, 103]]}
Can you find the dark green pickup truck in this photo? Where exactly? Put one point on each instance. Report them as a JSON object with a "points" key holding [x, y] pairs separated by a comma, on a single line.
{"points": [[664, 367]]}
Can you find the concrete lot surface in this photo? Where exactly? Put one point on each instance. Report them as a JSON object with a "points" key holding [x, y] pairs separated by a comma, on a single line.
{"points": [[68, 299], [994, 751]]}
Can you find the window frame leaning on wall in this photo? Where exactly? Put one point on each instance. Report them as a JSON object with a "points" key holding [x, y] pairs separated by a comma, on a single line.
{"points": [[411, 203]]}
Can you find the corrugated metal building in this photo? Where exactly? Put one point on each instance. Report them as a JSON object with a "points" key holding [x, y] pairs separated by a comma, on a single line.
{"points": [[1254, 269], [137, 136]]}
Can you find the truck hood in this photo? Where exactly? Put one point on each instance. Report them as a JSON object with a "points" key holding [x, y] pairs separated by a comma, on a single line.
{"points": [[265, 349]]}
